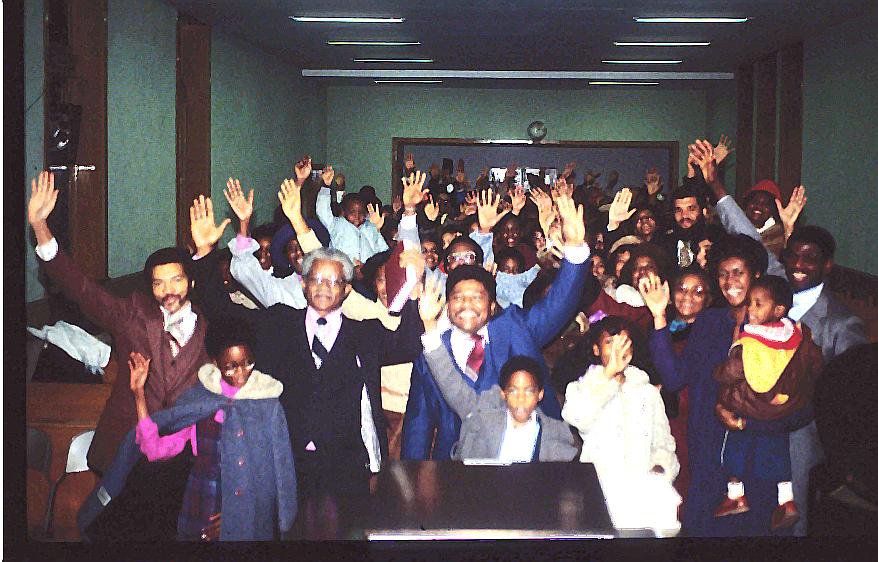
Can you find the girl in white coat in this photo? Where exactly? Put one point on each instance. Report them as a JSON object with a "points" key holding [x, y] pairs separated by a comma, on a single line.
{"points": [[625, 432]]}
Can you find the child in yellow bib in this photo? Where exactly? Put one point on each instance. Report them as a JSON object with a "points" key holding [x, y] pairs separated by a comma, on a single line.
{"points": [[769, 374]]}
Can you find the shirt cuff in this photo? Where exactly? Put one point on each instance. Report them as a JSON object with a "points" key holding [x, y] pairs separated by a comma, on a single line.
{"points": [[431, 340], [408, 221], [48, 251], [723, 198], [576, 254], [242, 244]]}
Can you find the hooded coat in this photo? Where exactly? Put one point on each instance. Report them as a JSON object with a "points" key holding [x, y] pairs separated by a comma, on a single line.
{"points": [[258, 476]]}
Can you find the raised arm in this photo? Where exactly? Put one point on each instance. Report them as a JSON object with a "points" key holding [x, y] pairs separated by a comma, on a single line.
{"points": [[548, 316], [586, 397], [95, 302], [672, 372], [209, 286], [152, 445], [458, 394], [730, 213]]}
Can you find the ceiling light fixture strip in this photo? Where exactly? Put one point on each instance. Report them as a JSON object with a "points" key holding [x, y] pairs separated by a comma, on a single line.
{"points": [[345, 19], [708, 19]]}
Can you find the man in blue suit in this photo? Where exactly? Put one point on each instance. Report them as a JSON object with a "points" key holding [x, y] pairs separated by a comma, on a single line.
{"points": [[481, 343]]}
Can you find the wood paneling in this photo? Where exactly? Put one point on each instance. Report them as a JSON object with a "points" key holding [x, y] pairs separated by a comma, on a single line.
{"points": [[88, 88], [789, 165], [766, 117], [193, 119], [744, 150]]}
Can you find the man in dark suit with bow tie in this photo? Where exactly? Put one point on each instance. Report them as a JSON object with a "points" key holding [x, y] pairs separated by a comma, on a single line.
{"points": [[326, 362]]}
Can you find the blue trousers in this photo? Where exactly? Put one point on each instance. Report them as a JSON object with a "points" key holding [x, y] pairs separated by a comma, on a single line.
{"points": [[767, 455]]}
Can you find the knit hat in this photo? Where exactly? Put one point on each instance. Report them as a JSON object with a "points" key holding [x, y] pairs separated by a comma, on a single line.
{"points": [[767, 186]]}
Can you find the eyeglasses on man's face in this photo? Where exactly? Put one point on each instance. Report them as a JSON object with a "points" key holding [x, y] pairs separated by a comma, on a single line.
{"points": [[462, 258], [330, 282]]}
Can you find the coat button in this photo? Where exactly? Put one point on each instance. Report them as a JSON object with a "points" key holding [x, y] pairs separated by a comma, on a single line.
{"points": [[241, 461], [240, 433], [238, 492]]}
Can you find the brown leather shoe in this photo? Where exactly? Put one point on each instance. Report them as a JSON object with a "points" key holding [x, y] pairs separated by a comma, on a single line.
{"points": [[732, 507], [784, 516]]}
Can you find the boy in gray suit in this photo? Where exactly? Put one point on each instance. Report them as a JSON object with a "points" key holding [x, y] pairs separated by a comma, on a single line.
{"points": [[504, 422]]}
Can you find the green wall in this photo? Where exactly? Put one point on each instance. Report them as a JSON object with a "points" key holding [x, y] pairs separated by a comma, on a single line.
{"points": [[141, 131], [33, 123], [361, 121], [263, 118], [839, 163], [722, 112]]}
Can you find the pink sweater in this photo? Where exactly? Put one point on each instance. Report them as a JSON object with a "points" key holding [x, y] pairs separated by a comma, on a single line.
{"points": [[157, 448]]}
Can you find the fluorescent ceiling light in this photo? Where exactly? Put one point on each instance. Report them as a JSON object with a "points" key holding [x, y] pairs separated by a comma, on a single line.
{"points": [[310, 19], [661, 43], [690, 20], [393, 60], [611, 83], [375, 43], [437, 74], [408, 81], [641, 61]]}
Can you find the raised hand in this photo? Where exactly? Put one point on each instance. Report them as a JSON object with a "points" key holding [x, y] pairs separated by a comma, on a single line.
{"points": [[327, 175], [413, 191], [653, 181], [790, 213], [241, 206], [375, 216], [396, 203], [619, 212], [620, 355], [431, 303], [656, 295], [205, 232], [431, 209], [518, 199], [409, 162], [722, 149], [706, 159], [561, 187], [290, 197], [303, 170], [138, 365], [568, 169], [488, 205], [43, 196], [572, 221], [612, 179], [690, 166]]}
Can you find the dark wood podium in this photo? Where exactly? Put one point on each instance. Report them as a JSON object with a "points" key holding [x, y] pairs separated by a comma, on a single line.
{"points": [[449, 500]]}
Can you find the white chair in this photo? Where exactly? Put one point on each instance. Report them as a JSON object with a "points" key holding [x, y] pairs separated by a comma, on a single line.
{"points": [[76, 462]]}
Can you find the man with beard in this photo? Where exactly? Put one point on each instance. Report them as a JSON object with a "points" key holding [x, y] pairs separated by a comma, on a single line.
{"points": [[164, 327], [481, 342], [681, 243]]}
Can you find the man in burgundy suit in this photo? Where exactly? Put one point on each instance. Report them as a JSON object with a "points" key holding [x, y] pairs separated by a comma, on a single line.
{"points": [[163, 327]]}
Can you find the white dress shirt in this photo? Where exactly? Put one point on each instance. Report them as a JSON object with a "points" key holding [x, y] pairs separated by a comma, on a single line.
{"points": [[518, 442], [803, 301]]}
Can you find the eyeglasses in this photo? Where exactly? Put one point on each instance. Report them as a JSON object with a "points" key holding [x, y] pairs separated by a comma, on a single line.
{"points": [[332, 282], [465, 258], [697, 290], [229, 370], [645, 218]]}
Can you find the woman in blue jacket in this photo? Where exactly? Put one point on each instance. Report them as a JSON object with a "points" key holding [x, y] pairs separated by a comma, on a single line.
{"points": [[734, 262]]}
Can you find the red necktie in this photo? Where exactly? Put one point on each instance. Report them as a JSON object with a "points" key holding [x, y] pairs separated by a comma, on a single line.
{"points": [[477, 355]]}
